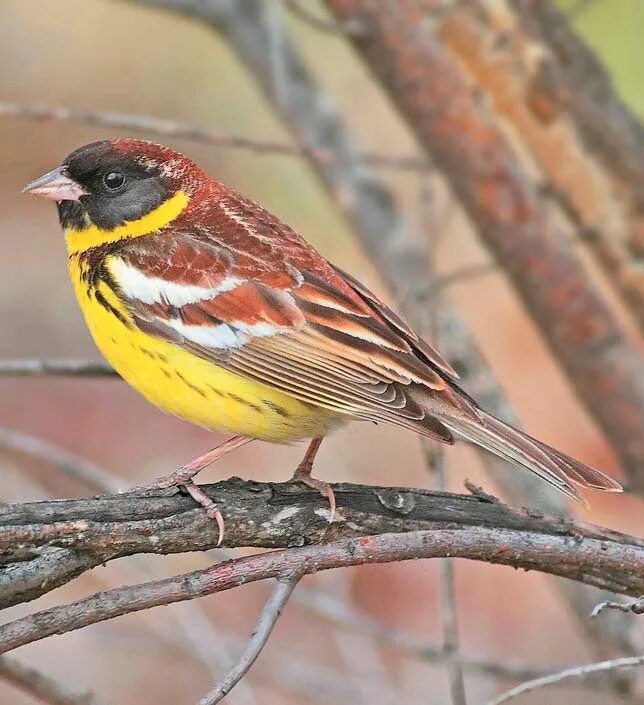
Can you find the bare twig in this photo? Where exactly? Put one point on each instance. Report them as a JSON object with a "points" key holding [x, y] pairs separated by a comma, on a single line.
{"points": [[634, 607], [179, 130], [576, 672], [435, 463], [434, 458], [28, 367], [68, 463], [42, 686], [285, 584], [302, 13]]}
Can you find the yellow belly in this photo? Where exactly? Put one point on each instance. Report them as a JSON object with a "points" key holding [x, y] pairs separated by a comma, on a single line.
{"points": [[194, 389]]}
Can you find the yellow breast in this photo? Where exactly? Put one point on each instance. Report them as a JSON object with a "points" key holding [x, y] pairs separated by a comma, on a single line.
{"points": [[187, 386]]}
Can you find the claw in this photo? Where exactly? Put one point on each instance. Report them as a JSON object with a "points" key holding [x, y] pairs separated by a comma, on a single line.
{"points": [[324, 488], [330, 495], [212, 511]]}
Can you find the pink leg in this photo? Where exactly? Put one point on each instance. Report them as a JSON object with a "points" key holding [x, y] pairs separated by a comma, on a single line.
{"points": [[183, 477], [303, 474]]}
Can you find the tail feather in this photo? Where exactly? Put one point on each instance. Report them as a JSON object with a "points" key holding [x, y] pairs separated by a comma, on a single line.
{"points": [[556, 468], [582, 474]]}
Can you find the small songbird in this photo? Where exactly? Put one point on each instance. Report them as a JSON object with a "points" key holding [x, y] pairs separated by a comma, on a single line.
{"points": [[219, 313]]}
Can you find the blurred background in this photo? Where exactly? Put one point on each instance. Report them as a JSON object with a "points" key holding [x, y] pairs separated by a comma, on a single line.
{"points": [[116, 56]]}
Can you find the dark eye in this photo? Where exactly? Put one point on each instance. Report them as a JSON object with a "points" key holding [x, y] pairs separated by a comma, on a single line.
{"points": [[113, 180]]}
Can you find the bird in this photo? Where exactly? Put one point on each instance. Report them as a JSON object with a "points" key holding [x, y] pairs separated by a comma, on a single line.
{"points": [[218, 312]]}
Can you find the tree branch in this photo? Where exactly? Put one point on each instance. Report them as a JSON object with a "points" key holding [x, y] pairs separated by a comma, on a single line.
{"points": [[437, 525], [575, 672], [41, 686], [561, 102], [276, 602], [45, 544], [181, 130]]}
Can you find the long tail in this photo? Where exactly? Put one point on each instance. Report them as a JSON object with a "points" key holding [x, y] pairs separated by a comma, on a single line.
{"points": [[556, 468]]}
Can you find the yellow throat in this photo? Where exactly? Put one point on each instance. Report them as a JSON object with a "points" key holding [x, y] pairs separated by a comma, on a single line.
{"points": [[79, 240]]}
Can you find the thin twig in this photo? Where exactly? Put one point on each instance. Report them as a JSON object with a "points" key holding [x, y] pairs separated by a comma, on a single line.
{"points": [[348, 617], [27, 367], [70, 464], [634, 607], [41, 686], [576, 672], [434, 459], [267, 619], [180, 130], [350, 27], [435, 463]]}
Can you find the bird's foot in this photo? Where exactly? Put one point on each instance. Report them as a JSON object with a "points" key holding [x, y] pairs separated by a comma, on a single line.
{"points": [[182, 479], [212, 511], [303, 475]]}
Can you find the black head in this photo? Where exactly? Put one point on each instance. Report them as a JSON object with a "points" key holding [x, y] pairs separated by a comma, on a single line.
{"points": [[117, 187]]}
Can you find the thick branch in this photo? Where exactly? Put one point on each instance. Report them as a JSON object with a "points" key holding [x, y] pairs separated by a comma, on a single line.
{"points": [[574, 77], [456, 131], [82, 533], [560, 100], [436, 525]]}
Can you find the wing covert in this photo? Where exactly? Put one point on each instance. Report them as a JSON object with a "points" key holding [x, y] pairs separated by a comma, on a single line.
{"points": [[294, 323]]}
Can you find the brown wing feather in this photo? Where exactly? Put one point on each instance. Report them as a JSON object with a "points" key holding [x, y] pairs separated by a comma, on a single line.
{"points": [[420, 346]]}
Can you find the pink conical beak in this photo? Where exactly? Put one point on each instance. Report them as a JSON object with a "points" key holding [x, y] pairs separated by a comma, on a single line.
{"points": [[56, 186]]}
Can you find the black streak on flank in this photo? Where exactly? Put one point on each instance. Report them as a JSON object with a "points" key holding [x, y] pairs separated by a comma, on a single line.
{"points": [[107, 305], [277, 409]]}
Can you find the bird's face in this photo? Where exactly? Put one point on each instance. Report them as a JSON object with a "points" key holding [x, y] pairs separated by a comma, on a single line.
{"points": [[108, 183]]}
